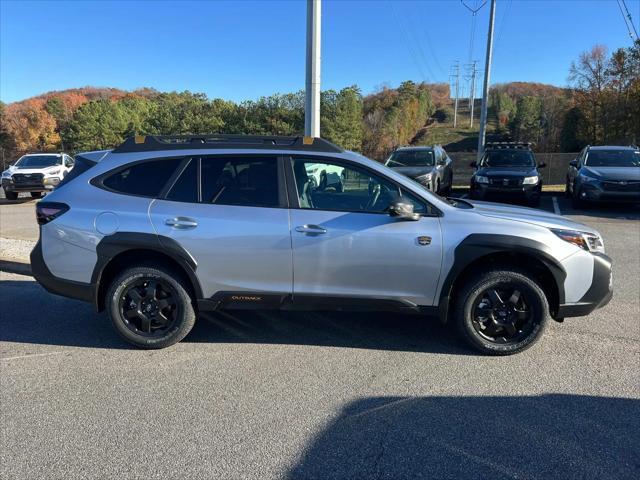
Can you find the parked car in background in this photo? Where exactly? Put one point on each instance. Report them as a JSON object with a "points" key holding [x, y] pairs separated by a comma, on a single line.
{"points": [[36, 173], [507, 171], [326, 176], [604, 174], [429, 166], [162, 228]]}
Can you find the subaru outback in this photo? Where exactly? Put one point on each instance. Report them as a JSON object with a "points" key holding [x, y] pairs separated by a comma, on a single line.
{"points": [[163, 228]]}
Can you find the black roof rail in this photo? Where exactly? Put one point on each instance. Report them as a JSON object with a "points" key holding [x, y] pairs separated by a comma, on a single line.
{"points": [[150, 143], [497, 145]]}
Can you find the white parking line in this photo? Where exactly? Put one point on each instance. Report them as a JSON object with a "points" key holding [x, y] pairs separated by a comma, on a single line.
{"points": [[31, 355], [556, 207]]}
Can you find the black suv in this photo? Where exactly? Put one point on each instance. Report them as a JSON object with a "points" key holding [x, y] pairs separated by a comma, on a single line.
{"points": [[507, 170], [604, 174]]}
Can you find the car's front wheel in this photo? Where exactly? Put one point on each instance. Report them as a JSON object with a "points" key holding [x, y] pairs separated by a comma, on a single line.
{"points": [[501, 311], [11, 195], [150, 307]]}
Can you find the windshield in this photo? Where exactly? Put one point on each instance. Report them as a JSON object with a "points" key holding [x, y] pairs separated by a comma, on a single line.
{"points": [[613, 158], [39, 161], [508, 158], [411, 158]]}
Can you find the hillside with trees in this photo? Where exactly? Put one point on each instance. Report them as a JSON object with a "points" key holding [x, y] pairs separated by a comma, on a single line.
{"points": [[602, 105]]}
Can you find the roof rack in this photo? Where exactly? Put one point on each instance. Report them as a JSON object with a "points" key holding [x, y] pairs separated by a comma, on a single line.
{"points": [[150, 143], [498, 145]]}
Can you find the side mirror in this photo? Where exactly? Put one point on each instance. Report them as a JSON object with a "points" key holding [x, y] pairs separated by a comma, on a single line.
{"points": [[573, 163], [403, 209], [542, 165], [473, 164]]}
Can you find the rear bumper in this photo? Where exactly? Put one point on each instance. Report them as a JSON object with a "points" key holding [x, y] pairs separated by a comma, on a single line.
{"points": [[56, 285], [598, 295]]}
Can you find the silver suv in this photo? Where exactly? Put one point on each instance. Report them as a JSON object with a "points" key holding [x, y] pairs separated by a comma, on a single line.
{"points": [[162, 228]]}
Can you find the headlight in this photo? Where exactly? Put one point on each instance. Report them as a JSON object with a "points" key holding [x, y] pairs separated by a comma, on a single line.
{"points": [[530, 180], [482, 179], [6, 174], [53, 172], [424, 178], [587, 177], [584, 240]]}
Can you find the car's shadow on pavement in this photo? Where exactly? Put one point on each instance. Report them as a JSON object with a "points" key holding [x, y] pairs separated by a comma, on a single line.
{"points": [[19, 200], [368, 330], [30, 315], [546, 436]]}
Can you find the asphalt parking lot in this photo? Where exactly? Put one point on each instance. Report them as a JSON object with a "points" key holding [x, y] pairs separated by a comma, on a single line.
{"points": [[315, 395]]}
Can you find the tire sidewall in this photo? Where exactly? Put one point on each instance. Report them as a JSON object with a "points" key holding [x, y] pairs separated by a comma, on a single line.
{"points": [[536, 300], [186, 312]]}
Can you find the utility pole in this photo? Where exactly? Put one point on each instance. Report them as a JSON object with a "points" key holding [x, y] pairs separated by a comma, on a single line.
{"points": [[472, 93], [487, 78], [456, 74], [312, 86]]}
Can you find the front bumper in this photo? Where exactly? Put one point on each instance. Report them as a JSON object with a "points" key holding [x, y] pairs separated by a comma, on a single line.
{"points": [[43, 185], [598, 295], [483, 191], [600, 192]]}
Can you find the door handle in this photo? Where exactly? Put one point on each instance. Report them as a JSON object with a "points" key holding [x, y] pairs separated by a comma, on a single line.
{"points": [[311, 229], [181, 223]]}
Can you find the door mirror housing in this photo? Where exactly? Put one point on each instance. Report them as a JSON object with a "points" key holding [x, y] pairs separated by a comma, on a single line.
{"points": [[573, 163], [402, 208], [473, 164]]}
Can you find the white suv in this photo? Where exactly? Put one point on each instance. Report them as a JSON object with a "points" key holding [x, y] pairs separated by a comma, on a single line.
{"points": [[36, 173]]}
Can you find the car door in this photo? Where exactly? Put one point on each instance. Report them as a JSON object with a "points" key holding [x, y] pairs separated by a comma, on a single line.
{"points": [[229, 213], [346, 245], [447, 170], [573, 170]]}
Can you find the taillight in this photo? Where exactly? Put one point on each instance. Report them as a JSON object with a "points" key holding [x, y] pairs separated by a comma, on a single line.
{"points": [[47, 211]]}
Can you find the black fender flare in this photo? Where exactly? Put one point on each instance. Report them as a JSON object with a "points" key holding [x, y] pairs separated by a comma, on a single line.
{"points": [[113, 245], [478, 245]]}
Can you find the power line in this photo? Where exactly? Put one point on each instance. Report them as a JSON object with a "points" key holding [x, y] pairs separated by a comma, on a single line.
{"points": [[407, 41], [474, 11], [628, 21]]}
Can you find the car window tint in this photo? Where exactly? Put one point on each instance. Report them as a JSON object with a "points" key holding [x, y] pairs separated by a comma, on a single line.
{"points": [[240, 181], [326, 186], [185, 189], [145, 179]]}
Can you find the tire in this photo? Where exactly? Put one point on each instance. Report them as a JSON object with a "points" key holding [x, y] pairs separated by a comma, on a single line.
{"points": [[36, 194], [11, 195], [576, 201], [567, 191], [181, 314], [474, 292]]}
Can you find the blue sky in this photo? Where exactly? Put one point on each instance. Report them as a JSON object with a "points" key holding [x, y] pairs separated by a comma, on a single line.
{"points": [[245, 49]]}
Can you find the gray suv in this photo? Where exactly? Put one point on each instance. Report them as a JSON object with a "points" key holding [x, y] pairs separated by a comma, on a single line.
{"points": [[429, 166], [162, 228]]}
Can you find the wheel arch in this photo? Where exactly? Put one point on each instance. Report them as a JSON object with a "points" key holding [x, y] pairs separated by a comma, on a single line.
{"points": [[123, 249], [481, 251]]}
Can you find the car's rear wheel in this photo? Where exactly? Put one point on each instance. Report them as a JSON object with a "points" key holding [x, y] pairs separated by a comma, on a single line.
{"points": [[11, 195], [501, 312], [150, 307]]}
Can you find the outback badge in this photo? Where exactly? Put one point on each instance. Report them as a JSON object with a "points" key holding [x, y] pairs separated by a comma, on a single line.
{"points": [[424, 240]]}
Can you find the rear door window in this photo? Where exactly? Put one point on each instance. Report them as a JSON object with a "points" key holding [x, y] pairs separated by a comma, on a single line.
{"points": [[146, 179], [251, 182]]}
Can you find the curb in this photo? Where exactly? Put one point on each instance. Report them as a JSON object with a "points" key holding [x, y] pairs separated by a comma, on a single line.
{"points": [[11, 266]]}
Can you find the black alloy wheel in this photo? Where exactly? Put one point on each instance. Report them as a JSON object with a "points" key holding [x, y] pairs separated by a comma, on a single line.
{"points": [[501, 315], [149, 307]]}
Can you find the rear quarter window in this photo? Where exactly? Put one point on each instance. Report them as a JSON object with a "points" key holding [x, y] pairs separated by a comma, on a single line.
{"points": [[145, 179]]}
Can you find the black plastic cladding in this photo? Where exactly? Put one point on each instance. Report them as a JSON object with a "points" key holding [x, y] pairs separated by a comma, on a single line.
{"points": [[151, 143]]}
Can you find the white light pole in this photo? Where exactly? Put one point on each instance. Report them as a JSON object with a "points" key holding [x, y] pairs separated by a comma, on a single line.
{"points": [[485, 88], [312, 86]]}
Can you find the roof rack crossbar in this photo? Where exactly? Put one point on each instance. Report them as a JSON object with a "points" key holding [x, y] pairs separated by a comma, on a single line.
{"points": [[150, 143]]}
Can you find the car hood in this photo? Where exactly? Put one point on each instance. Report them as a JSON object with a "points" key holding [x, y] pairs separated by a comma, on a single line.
{"points": [[507, 171], [615, 173], [45, 170], [414, 171], [528, 215]]}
